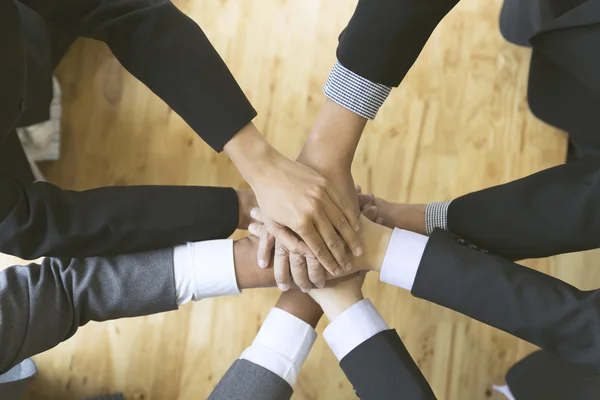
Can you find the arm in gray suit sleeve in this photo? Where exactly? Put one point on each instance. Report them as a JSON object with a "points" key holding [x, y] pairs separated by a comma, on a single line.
{"points": [[44, 305], [246, 380]]}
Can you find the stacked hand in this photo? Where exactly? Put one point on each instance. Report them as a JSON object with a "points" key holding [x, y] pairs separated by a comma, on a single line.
{"points": [[301, 208]]}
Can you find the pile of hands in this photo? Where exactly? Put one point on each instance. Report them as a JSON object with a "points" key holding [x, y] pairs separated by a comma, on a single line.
{"points": [[307, 213]]}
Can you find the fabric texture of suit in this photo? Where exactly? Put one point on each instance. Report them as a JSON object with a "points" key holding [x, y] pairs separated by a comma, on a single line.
{"points": [[44, 305], [245, 380], [554, 211], [169, 53], [383, 39], [381, 368], [533, 306], [543, 376]]}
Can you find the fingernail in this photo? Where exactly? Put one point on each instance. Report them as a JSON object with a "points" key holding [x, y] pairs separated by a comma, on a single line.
{"points": [[252, 227], [379, 220], [375, 209], [254, 212], [338, 272], [283, 287], [356, 228], [320, 285], [304, 290], [262, 263], [348, 267], [358, 251]]}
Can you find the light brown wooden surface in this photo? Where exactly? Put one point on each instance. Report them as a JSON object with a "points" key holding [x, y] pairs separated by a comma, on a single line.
{"points": [[459, 122]]}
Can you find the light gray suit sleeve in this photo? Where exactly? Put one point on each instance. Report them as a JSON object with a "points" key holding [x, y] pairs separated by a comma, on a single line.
{"points": [[248, 381], [43, 305]]}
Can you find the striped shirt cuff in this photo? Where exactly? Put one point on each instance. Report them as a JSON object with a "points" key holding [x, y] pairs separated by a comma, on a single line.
{"points": [[436, 216], [357, 94]]}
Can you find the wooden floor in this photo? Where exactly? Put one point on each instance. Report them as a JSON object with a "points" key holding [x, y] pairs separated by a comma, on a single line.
{"points": [[458, 123]]}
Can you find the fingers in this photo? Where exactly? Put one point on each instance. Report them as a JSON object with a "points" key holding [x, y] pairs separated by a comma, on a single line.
{"points": [[299, 272], [371, 213], [318, 247], [281, 264], [265, 248], [347, 210], [341, 224], [316, 272], [365, 201]]}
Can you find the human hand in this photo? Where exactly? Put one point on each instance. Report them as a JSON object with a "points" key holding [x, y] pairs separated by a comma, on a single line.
{"points": [[393, 215], [301, 200], [246, 202], [339, 295], [375, 239]]}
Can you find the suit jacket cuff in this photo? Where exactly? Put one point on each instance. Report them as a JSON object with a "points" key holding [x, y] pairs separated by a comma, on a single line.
{"points": [[402, 258], [282, 345], [354, 92], [436, 216], [354, 326]]}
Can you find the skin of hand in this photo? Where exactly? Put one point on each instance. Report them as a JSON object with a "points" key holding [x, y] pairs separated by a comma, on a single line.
{"points": [[301, 209], [339, 295], [329, 150], [375, 239], [394, 215], [246, 202], [301, 306]]}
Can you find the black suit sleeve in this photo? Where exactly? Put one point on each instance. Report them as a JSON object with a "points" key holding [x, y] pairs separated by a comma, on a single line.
{"points": [[41, 219], [526, 303], [551, 212], [384, 38], [168, 52], [381, 368]]}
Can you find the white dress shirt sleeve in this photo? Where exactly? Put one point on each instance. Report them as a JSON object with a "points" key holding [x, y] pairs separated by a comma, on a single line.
{"points": [[353, 327], [204, 269], [402, 258], [281, 345]]}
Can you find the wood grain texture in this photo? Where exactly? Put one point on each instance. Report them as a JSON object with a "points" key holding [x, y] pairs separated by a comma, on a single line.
{"points": [[458, 123]]}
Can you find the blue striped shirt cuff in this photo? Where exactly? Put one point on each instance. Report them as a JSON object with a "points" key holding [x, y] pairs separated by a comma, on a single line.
{"points": [[354, 92]]}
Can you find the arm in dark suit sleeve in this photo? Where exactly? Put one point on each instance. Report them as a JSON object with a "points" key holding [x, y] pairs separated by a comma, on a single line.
{"points": [[40, 219], [551, 212], [384, 38], [43, 305], [168, 52], [381, 368], [246, 380], [526, 303]]}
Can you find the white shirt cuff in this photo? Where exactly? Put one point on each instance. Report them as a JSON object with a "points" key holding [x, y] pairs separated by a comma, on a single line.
{"points": [[402, 258], [204, 269], [353, 327], [282, 345]]}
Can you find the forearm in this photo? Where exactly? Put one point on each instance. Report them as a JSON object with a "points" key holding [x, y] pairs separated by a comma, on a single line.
{"points": [[334, 138], [168, 52], [43, 220], [43, 305]]}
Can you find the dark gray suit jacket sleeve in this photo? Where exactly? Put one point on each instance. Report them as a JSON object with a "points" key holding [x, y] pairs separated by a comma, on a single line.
{"points": [[245, 380], [526, 303], [43, 305]]}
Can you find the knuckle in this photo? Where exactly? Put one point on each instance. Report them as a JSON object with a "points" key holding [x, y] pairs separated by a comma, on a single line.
{"points": [[334, 243], [321, 251], [280, 251], [341, 222]]}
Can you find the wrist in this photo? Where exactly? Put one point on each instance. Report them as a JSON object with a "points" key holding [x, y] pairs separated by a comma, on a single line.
{"points": [[333, 307], [250, 152], [376, 239], [411, 217], [300, 305]]}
